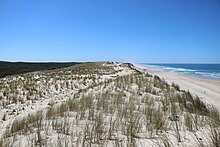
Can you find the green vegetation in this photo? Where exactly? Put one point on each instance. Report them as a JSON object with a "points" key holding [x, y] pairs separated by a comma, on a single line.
{"points": [[14, 68]]}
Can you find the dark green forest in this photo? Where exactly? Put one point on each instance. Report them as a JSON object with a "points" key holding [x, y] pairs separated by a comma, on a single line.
{"points": [[14, 68]]}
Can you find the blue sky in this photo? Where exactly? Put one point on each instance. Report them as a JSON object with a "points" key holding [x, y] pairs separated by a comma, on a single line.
{"points": [[150, 31]]}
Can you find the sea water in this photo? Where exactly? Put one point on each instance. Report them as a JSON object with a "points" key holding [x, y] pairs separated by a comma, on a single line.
{"points": [[211, 71]]}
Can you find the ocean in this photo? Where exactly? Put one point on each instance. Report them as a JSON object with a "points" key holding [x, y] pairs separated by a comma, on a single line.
{"points": [[210, 71]]}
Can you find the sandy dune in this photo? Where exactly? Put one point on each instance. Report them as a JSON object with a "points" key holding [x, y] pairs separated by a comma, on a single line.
{"points": [[208, 90]]}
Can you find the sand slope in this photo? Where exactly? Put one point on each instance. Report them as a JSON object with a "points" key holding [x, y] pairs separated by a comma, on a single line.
{"points": [[208, 90]]}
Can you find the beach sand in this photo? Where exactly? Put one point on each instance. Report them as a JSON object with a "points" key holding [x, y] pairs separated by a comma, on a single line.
{"points": [[208, 90]]}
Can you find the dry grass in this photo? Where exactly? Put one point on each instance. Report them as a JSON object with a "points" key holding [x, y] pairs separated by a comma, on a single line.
{"points": [[119, 111]]}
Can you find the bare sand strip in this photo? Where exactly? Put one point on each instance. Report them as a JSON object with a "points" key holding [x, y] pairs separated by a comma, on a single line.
{"points": [[208, 90]]}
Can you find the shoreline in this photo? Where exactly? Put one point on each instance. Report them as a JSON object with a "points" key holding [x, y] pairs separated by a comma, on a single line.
{"points": [[207, 90], [183, 71]]}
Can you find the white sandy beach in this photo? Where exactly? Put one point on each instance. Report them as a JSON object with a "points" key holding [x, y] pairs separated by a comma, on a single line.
{"points": [[208, 90]]}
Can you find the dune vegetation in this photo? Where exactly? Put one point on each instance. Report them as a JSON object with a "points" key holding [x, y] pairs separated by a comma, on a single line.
{"points": [[102, 104]]}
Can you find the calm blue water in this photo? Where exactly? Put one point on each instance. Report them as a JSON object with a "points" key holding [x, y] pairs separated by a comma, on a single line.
{"points": [[211, 71]]}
